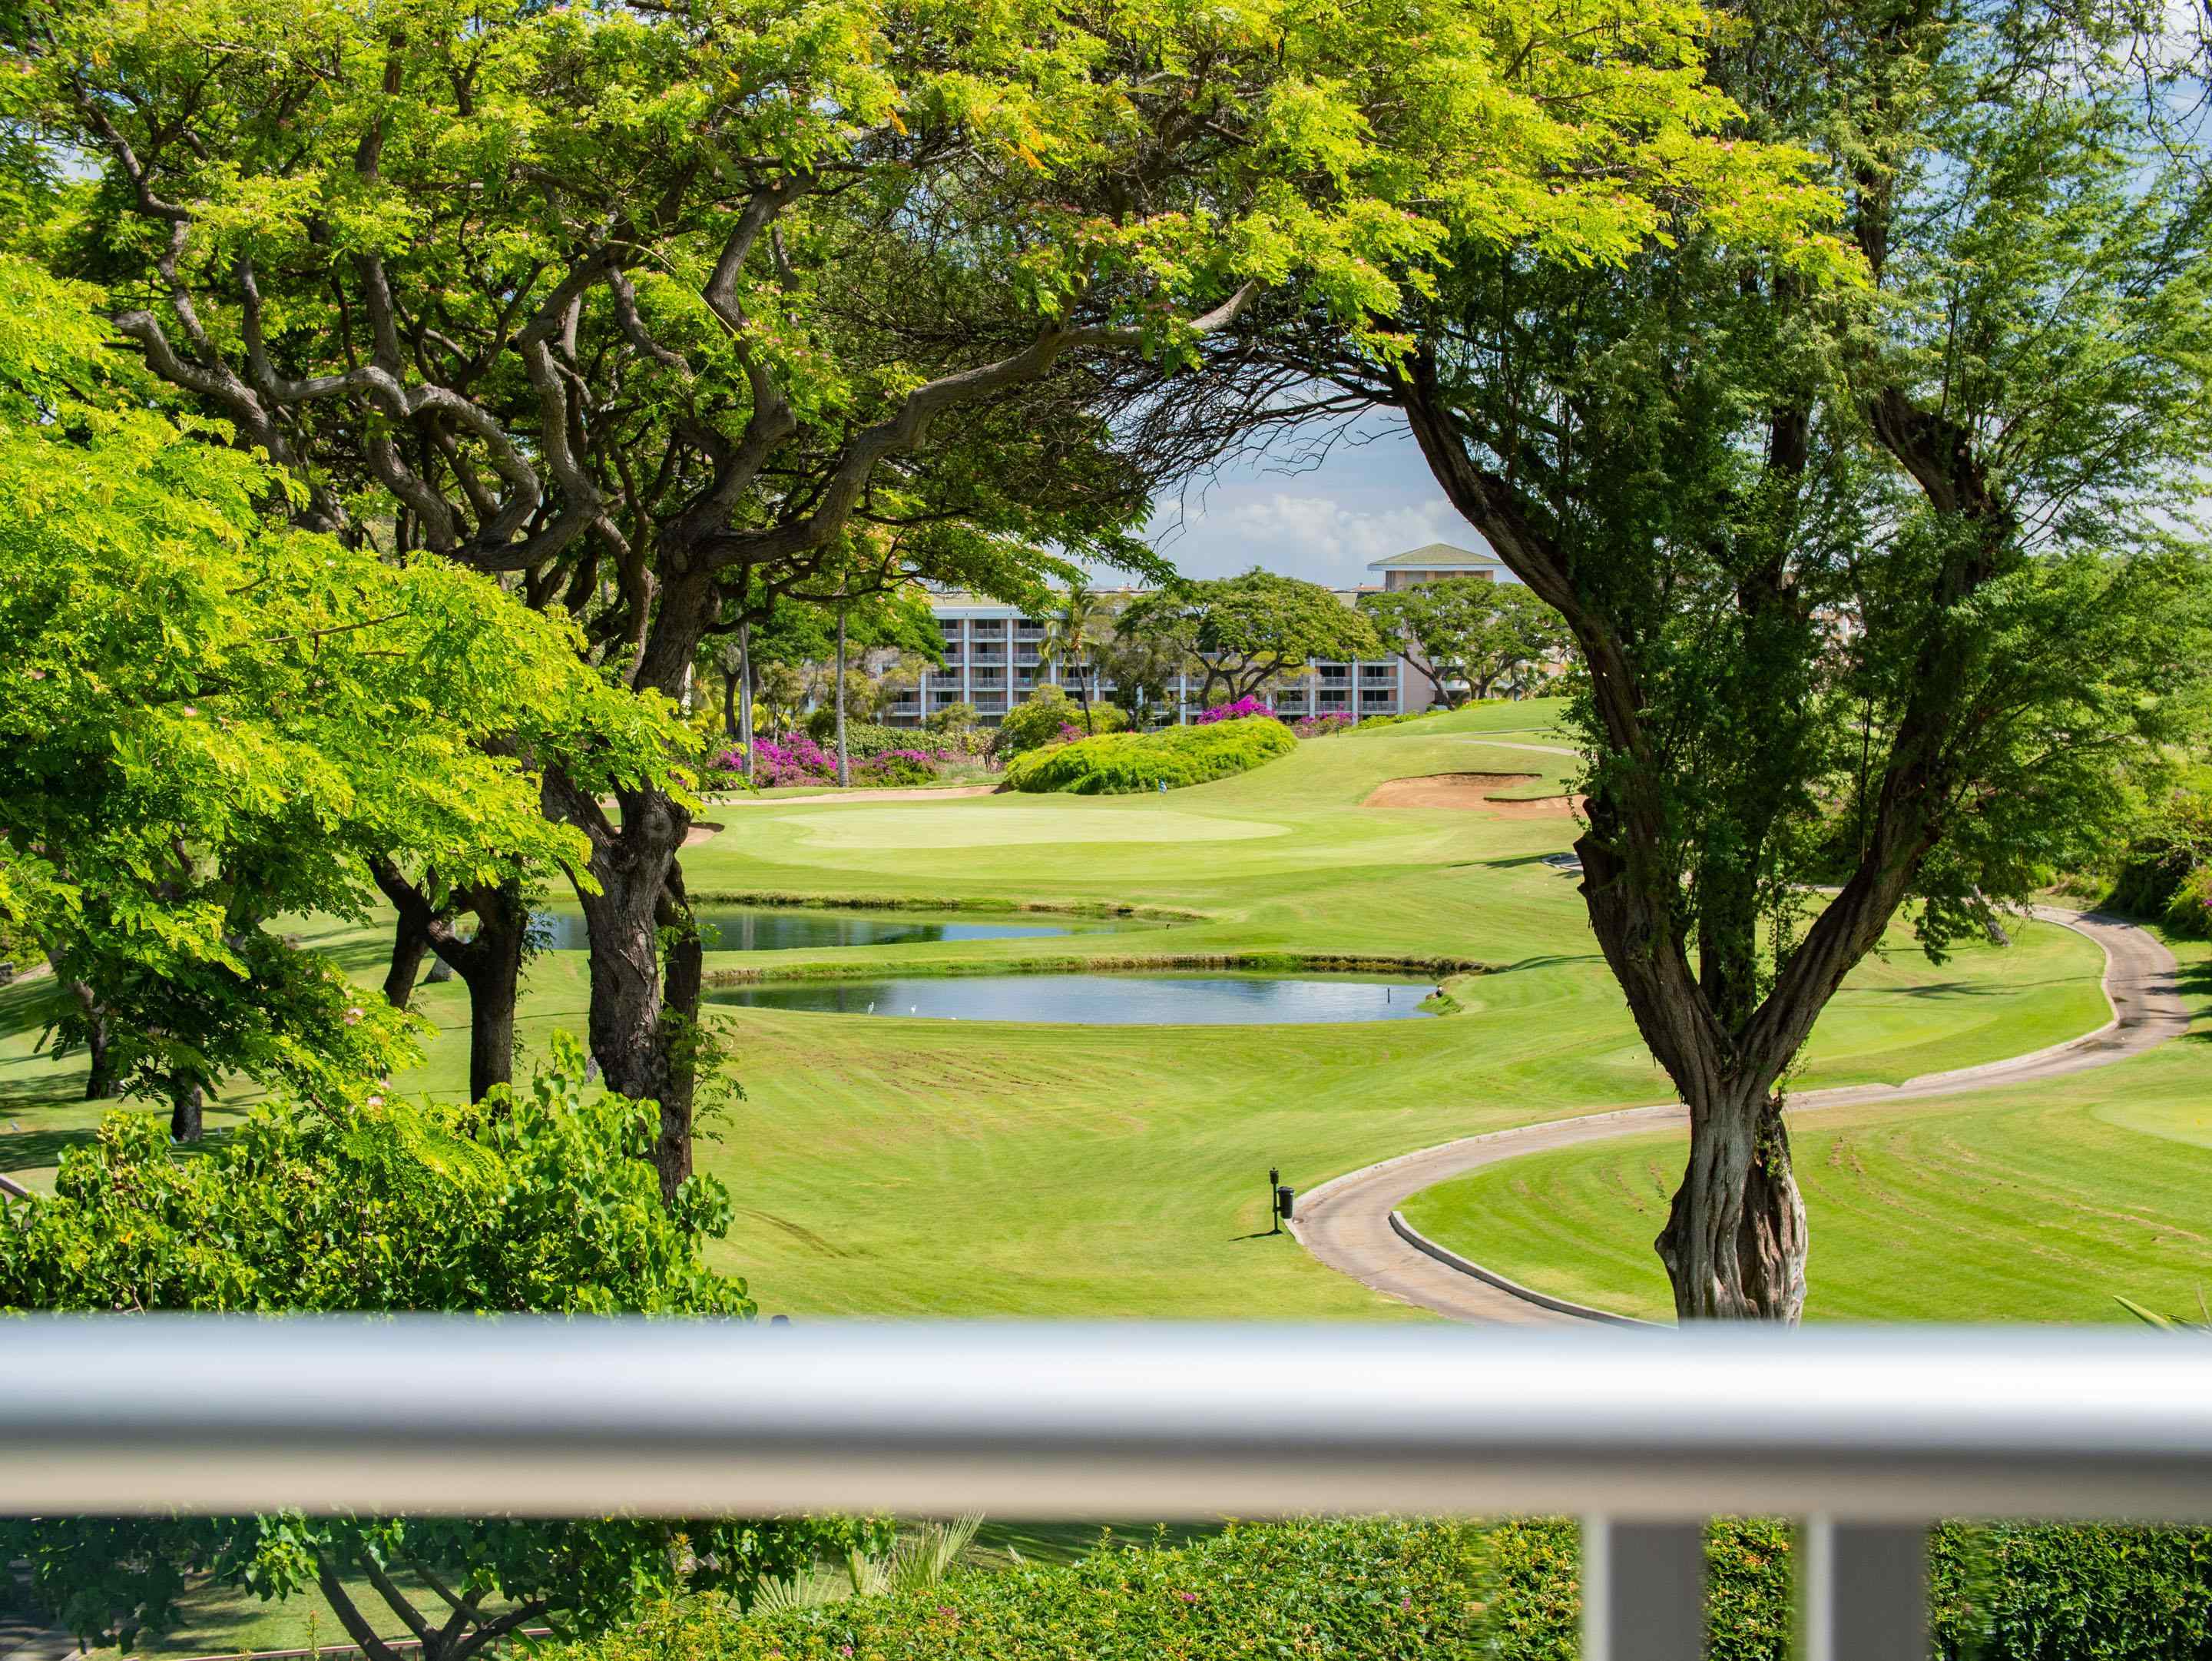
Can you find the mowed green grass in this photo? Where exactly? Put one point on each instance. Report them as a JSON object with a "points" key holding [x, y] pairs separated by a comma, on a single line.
{"points": [[884, 1167], [2040, 1203]]}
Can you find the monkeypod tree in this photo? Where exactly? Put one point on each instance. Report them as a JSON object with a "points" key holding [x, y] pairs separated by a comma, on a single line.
{"points": [[1467, 629], [1246, 632], [210, 719], [657, 312], [358, 1204], [1875, 551]]}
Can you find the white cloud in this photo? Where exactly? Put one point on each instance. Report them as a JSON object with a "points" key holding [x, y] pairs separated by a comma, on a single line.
{"points": [[1319, 538]]}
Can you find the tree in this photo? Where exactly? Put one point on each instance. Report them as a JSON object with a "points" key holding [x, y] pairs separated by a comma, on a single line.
{"points": [[767, 299], [1873, 552], [1466, 628], [211, 720], [1245, 631], [1146, 668], [1074, 628], [365, 1204]]}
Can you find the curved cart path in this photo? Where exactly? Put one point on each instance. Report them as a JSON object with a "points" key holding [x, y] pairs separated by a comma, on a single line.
{"points": [[1347, 1222]]}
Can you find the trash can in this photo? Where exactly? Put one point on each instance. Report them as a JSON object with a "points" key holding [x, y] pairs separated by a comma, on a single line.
{"points": [[1284, 1196]]}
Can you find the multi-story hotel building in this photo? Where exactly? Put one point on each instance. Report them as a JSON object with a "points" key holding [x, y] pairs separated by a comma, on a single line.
{"points": [[991, 660]]}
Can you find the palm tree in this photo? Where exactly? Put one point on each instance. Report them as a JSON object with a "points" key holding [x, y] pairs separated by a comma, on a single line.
{"points": [[1083, 618]]}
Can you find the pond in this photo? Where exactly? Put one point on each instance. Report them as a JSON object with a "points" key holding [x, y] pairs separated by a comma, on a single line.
{"points": [[788, 928], [1195, 1000]]}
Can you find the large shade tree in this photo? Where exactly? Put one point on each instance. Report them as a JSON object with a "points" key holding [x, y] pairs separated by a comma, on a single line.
{"points": [[1873, 550], [1245, 632], [657, 312], [1467, 629], [210, 719]]}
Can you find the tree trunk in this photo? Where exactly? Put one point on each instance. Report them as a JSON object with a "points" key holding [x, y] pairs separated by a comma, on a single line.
{"points": [[410, 944], [103, 1082], [187, 1112], [844, 768], [682, 982], [642, 1040], [729, 706], [490, 964], [1734, 1244], [745, 694]]}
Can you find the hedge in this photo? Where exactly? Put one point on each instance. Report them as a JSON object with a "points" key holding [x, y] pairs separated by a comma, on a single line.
{"points": [[1177, 756], [1395, 1591], [1381, 1590]]}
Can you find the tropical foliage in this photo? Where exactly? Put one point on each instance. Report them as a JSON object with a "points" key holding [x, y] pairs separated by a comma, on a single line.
{"points": [[365, 1203], [1247, 632], [1114, 763], [212, 719], [1468, 630]]}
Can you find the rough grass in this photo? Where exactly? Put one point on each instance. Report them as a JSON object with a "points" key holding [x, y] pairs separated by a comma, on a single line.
{"points": [[890, 1166], [2039, 1203]]}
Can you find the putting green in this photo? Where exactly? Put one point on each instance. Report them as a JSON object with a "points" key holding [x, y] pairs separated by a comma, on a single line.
{"points": [[973, 824], [884, 1167]]}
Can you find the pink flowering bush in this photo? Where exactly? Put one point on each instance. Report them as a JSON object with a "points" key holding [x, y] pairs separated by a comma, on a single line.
{"points": [[1320, 727], [1243, 709], [797, 760]]}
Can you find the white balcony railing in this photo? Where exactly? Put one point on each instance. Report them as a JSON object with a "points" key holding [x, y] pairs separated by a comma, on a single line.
{"points": [[1866, 1434]]}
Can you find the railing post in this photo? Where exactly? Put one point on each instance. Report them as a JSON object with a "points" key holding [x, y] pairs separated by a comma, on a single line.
{"points": [[1862, 1591], [1644, 1590]]}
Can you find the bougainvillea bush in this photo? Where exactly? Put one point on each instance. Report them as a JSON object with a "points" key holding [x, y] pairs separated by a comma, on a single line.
{"points": [[1244, 708], [1320, 727], [797, 760], [1174, 757]]}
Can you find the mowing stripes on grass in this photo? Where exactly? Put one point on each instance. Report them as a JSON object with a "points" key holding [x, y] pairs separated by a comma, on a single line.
{"points": [[2043, 1204]]}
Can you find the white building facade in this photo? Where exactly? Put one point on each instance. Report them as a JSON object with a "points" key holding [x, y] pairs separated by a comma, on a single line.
{"points": [[991, 660]]}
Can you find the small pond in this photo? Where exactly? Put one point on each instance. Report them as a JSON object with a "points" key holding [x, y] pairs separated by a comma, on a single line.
{"points": [[787, 929], [1196, 1000]]}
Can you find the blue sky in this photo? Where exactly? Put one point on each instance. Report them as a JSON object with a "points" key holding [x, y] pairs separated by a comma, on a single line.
{"points": [[1365, 500]]}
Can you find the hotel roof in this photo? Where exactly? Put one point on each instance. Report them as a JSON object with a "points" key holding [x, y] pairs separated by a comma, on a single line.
{"points": [[1437, 556]]}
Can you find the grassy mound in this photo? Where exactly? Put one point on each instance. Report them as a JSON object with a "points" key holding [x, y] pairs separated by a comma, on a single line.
{"points": [[1116, 763]]}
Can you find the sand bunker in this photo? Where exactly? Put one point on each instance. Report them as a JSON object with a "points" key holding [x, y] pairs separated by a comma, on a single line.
{"points": [[1473, 792], [704, 830]]}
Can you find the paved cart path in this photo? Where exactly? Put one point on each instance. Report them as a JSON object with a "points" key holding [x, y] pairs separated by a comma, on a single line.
{"points": [[1347, 1222]]}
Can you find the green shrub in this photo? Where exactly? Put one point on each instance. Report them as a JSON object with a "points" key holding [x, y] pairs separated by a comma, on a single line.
{"points": [[2072, 1592], [1378, 1589], [900, 768], [1388, 1591], [1044, 718], [863, 738], [1177, 756], [2164, 870]]}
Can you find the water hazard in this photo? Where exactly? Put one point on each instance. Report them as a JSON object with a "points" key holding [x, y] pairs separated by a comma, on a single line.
{"points": [[791, 928], [1194, 1000]]}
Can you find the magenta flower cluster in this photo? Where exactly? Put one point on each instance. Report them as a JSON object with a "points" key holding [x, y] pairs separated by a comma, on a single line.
{"points": [[1320, 727], [1243, 709], [796, 758]]}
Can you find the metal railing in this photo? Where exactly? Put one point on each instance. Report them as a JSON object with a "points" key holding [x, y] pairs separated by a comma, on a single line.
{"points": [[1867, 1434]]}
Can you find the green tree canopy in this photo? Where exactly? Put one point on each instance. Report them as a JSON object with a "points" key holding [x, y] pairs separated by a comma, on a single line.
{"points": [[660, 310], [1882, 573], [1246, 631], [364, 1204], [1467, 629], [211, 719]]}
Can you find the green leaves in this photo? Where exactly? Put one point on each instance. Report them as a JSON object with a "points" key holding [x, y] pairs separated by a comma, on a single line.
{"points": [[208, 719], [532, 1200]]}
